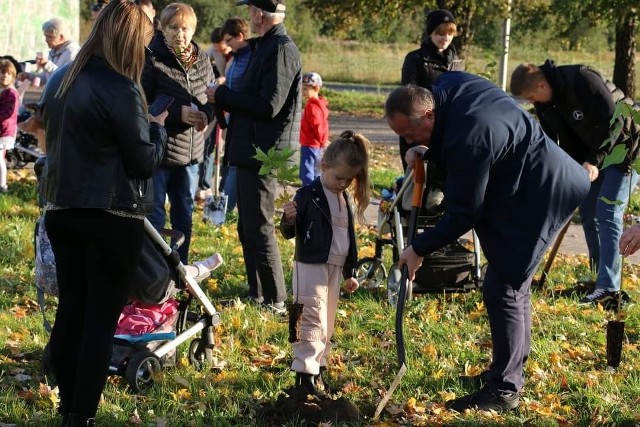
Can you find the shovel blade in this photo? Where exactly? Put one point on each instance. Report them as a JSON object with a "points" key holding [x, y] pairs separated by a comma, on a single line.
{"points": [[215, 209], [615, 336], [392, 388]]}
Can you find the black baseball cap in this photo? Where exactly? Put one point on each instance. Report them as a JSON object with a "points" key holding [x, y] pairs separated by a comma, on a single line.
{"points": [[273, 6]]}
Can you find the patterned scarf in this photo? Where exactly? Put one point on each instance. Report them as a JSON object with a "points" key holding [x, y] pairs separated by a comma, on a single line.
{"points": [[187, 57]]}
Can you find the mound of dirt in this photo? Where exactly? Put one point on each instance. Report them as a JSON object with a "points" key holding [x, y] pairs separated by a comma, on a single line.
{"points": [[295, 405]]}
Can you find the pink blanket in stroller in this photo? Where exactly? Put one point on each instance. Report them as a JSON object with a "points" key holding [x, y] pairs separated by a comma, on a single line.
{"points": [[138, 318]]}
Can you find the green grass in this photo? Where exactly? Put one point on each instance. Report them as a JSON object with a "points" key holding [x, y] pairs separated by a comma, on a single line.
{"points": [[447, 336], [358, 103], [380, 64]]}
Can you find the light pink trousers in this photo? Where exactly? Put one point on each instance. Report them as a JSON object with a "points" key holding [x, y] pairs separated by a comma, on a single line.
{"points": [[317, 287]]}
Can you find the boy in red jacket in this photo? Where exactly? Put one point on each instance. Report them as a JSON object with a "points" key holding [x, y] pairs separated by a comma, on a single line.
{"points": [[314, 129]]}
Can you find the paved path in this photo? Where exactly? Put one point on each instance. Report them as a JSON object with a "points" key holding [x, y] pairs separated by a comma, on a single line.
{"points": [[373, 128]]}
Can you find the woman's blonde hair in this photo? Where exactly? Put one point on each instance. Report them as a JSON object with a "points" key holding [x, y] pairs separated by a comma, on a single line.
{"points": [[180, 11], [352, 149], [119, 36]]}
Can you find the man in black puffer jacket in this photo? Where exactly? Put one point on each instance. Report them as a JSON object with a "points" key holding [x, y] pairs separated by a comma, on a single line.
{"points": [[265, 112], [575, 105]]}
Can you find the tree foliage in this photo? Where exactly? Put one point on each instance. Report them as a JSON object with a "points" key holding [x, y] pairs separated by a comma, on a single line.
{"points": [[571, 23]]}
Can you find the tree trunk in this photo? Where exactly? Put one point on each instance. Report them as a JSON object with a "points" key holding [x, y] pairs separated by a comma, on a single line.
{"points": [[624, 72]]}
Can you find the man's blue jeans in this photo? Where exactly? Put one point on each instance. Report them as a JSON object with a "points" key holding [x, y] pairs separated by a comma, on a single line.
{"points": [[179, 183], [603, 224]]}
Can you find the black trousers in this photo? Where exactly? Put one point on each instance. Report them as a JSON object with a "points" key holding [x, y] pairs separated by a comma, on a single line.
{"points": [[509, 310], [256, 198], [96, 254]]}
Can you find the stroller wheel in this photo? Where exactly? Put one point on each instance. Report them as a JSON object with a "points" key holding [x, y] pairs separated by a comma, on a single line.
{"points": [[197, 355], [371, 279], [11, 159], [142, 370], [393, 286]]}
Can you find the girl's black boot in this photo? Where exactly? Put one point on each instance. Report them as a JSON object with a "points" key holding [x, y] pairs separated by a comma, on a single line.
{"points": [[305, 383], [321, 384]]}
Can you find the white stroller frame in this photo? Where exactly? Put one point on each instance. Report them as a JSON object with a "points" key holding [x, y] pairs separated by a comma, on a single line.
{"points": [[143, 366]]}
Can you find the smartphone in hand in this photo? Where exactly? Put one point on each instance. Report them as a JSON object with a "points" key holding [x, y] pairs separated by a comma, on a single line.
{"points": [[160, 104]]}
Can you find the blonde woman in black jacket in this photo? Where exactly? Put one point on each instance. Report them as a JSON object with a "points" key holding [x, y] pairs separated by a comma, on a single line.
{"points": [[102, 149]]}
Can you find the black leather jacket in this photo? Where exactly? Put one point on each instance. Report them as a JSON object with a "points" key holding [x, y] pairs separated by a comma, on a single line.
{"points": [[101, 150], [313, 230]]}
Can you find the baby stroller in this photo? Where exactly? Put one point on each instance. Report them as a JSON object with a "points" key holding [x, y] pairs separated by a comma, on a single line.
{"points": [[453, 268], [140, 357], [161, 277]]}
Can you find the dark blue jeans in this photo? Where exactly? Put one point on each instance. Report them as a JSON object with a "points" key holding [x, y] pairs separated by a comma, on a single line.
{"points": [[96, 255], [230, 188], [179, 183], [256, 198], [603, 224]]}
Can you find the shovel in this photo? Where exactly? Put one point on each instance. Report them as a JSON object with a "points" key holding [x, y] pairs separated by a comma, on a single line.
{"points": [[552, 256], [215, 206], [416, 204]]}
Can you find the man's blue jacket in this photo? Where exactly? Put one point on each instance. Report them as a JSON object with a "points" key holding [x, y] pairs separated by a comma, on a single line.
{"points": [[504, 177]]}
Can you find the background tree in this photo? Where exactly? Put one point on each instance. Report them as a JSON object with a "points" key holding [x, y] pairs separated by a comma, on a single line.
{"points": [[574, 22], [538, 25], [624, 71]]}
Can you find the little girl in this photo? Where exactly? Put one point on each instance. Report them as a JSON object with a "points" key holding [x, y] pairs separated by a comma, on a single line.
{"points": [[321, 219], [9, 103]]}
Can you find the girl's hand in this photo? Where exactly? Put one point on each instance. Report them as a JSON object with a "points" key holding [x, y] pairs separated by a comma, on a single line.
{"points": [[290, 211], [350, 285]]}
